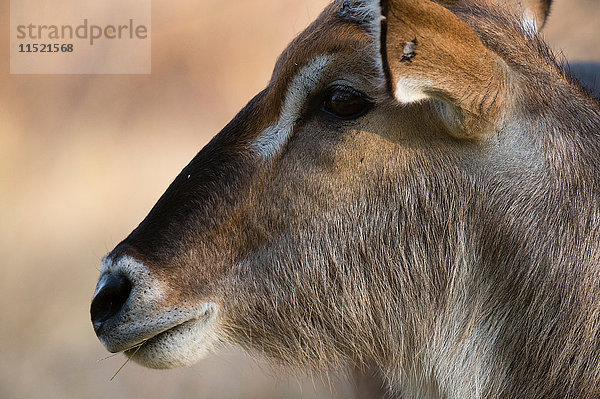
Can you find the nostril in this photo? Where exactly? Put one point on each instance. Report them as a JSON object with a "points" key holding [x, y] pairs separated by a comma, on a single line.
{"points": [[111, 296]]}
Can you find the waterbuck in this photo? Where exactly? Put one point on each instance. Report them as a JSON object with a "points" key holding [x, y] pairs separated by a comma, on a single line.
{"points": [[415, 194]]}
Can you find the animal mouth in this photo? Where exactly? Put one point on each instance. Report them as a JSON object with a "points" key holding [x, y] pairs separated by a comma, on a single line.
{"points": [[146, 343], [178, 344], [130, 316]]}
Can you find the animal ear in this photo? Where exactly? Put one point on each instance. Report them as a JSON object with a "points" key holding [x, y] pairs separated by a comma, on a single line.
{"points": [[429, 53]]}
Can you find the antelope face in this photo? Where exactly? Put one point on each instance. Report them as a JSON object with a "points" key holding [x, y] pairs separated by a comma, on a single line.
{"points": [[240, 219], [324, 214]]}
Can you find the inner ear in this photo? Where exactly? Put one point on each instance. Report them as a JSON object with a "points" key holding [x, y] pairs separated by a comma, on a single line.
{"points": [[430, 53], [534, 14]]}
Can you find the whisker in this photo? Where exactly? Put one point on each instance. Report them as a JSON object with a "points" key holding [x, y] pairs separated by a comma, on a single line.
{"points": [[108, 357]]}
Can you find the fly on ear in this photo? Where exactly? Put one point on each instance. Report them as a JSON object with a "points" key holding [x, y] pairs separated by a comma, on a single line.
{"points": [[409, 50]]}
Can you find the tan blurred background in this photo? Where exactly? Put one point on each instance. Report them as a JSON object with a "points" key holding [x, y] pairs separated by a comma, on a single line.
{"points": [[83, 158]]}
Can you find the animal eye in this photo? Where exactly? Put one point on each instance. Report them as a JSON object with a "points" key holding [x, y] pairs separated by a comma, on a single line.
{"points": [[344, 102]]}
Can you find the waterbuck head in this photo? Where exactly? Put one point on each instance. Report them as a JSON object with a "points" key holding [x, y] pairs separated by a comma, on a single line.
{"points": [[415, 190]]}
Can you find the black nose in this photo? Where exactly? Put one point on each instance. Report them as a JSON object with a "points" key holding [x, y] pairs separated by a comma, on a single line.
{"points": [[110, 298]]}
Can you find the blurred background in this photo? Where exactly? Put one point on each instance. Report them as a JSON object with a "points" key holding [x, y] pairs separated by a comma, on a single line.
{"points": [[84, 158]]}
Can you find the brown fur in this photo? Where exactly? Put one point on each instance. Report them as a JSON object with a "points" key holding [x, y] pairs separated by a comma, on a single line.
{"points": [[454, 67], [448, 267]]}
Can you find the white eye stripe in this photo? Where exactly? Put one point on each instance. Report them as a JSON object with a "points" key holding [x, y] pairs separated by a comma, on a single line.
{"points": [[270, 141]]}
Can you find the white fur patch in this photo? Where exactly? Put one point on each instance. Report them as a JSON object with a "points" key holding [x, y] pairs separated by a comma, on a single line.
{"points": [[185, 344], [271, 140], [135, 271], [182, 333], [529, 23], [410, 91]]}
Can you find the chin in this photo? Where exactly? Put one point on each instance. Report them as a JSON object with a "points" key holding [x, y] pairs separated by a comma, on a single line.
{"points": [[180, 346]]}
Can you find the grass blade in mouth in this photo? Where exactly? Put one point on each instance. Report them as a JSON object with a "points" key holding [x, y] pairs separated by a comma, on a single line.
{"points": [[137, 348]]}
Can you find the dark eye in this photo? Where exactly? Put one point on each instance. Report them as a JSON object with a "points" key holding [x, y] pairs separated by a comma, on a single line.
{"points": [[344, 102]]}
